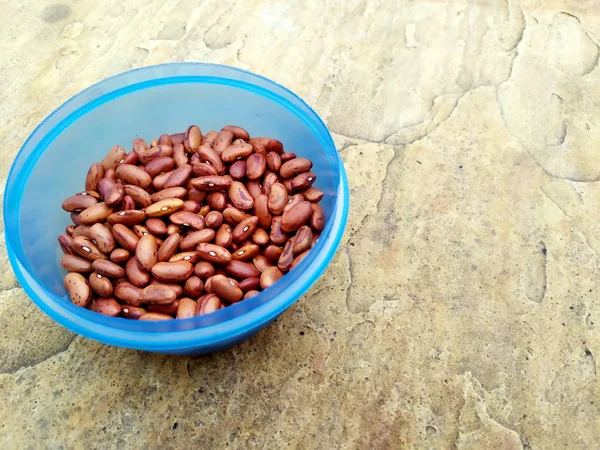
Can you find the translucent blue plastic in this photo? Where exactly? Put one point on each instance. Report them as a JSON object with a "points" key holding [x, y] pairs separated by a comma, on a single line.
{"points": [[148, 102]]}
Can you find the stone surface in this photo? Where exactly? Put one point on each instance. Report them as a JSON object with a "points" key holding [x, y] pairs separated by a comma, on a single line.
{"points": [[462, 308]]}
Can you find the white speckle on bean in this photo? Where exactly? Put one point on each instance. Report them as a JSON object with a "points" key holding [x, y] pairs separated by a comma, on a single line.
{"points": [[212, 253], [87, 249]]}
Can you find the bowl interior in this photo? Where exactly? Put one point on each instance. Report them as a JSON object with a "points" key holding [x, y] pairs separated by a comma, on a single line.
{"points": [[53, 163]]}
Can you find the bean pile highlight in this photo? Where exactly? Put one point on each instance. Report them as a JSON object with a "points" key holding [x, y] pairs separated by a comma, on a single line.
{"points": [[188, 225]]}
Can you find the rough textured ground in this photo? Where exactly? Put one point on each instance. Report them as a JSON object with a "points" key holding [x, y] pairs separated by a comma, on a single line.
{"points": [[462, 309]]}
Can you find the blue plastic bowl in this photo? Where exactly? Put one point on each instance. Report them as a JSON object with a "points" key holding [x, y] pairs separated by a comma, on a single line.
{"points": [[148, 102]]}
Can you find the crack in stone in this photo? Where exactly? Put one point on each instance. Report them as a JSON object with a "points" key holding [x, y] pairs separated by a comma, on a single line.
{"points": [[35, 363]]}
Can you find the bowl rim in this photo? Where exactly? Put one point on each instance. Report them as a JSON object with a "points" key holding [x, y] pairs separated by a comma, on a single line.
{"points": [[259, 310]]}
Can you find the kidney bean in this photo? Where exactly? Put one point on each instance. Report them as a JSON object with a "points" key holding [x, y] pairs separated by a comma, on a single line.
{"points": [[111, 191], [164, 194], [223, 140], [127, 217], [174, 286], [156, 226], [249, 284], [154, 317], [210, 303], [135, 274], [132, 312], [192, 139], [272, 253], [165, 139], [190, 256], [187, 219], [246, 252], [240, 269], [164, 207], [213, 253], [261, 263], [78, 203], [317, 221], [146, 252], [209, 138], [138, 195], [65, 241], [240, 197], [277, 235], [169, 247], [238, 132], [204, 270], [191, 240], [113, 158], [127, 204], [158, 294], [254, 188], [204, 210], [270, 276], [260, 237], [169, 309], [131, 158], [140, 231], [210, 156], [108, 268], [173, 271], [178, 177], [303, 181], [245, 229], [224, 237], [193, 287], [107, 306], [225, 289], [186, 308], [287, 257], [86, 248], [134, 175], [94, 175], [160, 165], [78, 288], [250, 294], [273, 162], [213, 219], [100, 285], [73, 263], [119, 256], [95, 213], [287, 156], [296, 216], [179, 156], [256, 165]]}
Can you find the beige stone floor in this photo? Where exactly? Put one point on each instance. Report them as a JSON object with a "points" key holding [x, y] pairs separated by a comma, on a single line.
{"points": [[462, 310]]}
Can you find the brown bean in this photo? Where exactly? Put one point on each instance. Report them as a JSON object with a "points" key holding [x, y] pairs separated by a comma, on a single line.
{"points": [[78, 288], [238, 132], [119, 255], [222, 141], [146, 252], [191, 206], [132, 312], [295, 217], [113, 158], [165, 139], [312, 194], [240, 269], [188, 219], [293, 201], [135, 274], [317, 221], [156, 226], [95, 213], [211, 183], [298, 259], [125, 237], [179, 177], [233, 216], [250, 284], [94, 175], [159, 181], [211, 157], [302, 240], [294, 167], [273, 162], [173, 229], [65, 242], [174, 286], [94, 194], [107, 306], [131, 158], [173, 271], [287, 257], [177, 138], [108, 268], [287, 156], [204, 269], [261, 263], [303, 181], [216, 200], [268, 182], [213, 219], [270, 276], [240, 197], [164, 207], [191, 240], [134, 175], [213, 253], [246, 252], [110, 174], [209, 138], [250, 294], [224, 237], [186, 308], [127, 217], [288, 185], [76, 218], [225, 289], [272, 253], [179, 156], [274, 146], [73, 263], [245, 229], [202, 169], [209, 304], [160, 165], [236, 151], [127, 292], [277, 235], [164, 194], [193, 287], [103, 237], [139, 195], [86, 248], [140, 231], [261, 210], [260, 237], [254, 188], [112, 191], [169, 247], [259, 144], [157, 293], [192, 139], [256, 165], [101, 285], [169, 309], [196, 195], [69, 230], [237, 170], [150, 154], [78, 203], [190, 256], [277, 199], [154, 317]]}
